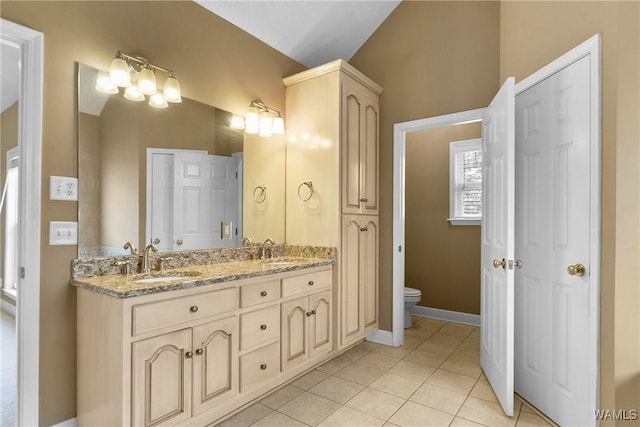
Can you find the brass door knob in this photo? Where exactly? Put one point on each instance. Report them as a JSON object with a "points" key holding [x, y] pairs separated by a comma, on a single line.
{"points": [[263, 293], [498, 263], [309, 314], [364, 200], [576, 270], [263, 366], [156, 241], [263, 327], [310, 282], [188, 354], [199, 351], [179, 242], [193, 309]]}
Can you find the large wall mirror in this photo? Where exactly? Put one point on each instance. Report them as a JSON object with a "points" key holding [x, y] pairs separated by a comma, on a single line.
{"points": [[177, 177]]}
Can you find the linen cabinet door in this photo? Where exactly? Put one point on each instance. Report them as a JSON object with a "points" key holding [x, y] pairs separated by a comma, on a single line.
{"points": [[294, 332], [369, 272], [369, 155], [351, 137], [350, 292], [215, 363], [161, 375], [320, 325]]}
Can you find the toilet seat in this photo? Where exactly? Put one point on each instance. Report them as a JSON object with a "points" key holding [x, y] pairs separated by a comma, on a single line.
{"points": [[411, 292]]}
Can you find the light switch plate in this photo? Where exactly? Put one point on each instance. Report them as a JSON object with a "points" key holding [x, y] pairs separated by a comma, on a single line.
{"points": [[63, 233], [63, 188]]}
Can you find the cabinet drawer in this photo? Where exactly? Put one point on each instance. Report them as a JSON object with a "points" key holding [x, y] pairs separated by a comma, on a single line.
{"points": [[306, 282], [259, 293], [161, 314], [259, 366], [259, 326]]}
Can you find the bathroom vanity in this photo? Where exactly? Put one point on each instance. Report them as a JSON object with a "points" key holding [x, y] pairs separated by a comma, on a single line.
{"points": [[190, 345]]}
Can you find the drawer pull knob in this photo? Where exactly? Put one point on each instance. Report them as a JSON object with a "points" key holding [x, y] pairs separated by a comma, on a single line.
{"points": [[193, 309], [199, 351], [310, 282], [263, 366], [188, 354], [263, 327], [263, 293]]}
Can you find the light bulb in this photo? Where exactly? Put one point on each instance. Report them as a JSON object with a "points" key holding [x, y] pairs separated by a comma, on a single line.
{"points": [[119, 72], [278, 126], [132, 93], [266, 124], [104, 83], [172, 89], [252, 121], [157, 100], [147, 81], [237, 122]]}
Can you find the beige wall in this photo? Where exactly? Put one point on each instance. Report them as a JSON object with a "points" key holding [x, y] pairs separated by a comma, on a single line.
{"points": [[217, 64], [431, 58], [442, 260], [533, 34]]}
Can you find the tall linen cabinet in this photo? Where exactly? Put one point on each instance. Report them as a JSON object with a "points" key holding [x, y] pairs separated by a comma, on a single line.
{"points": [[332, 184]]}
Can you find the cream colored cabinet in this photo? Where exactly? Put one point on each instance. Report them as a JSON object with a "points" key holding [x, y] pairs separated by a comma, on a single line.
{"points": [[359, 281], [306, 328]]}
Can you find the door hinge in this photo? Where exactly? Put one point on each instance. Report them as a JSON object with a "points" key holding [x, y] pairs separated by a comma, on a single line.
{"points": [[22, 273], [236, 174], [400, 248], [510, 264]]}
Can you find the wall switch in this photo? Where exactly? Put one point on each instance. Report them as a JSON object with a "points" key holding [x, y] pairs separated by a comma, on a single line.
{"points": [[63, 233], [63, 188]]}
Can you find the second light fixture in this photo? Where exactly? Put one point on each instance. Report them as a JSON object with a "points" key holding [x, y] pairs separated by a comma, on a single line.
{"points": [[260, 119]]}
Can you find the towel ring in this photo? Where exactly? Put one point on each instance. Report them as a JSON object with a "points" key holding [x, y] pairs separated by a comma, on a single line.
{"points": [[309, 185], [260, 196]]}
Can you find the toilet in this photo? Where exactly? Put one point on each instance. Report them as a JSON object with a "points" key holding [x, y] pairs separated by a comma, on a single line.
{"points": [[411, 298]]}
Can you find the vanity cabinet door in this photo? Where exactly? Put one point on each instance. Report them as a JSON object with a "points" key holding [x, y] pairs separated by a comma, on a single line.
{"points": [[320, 324], [161, 375], [350, 317], [369, 272], [215, 363], [294, 332]]}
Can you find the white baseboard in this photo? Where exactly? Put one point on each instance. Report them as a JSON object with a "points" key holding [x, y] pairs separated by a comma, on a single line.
{"points": [[73, 422], [449, 316], [381, 337]]}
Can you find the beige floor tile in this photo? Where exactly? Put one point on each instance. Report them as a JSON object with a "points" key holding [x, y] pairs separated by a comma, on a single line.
{"points": [[418, 332], [412, 342], [457, 329], [414, 414], [487, 413], [431, 357], [246, 417], [378, 361], [359, 374], [398, 352], [282, 396], [388, 424], [462, 366], [434, 324], [353, 354], [368, 346], [346, 416], [475, 333], [396, 385], [461, 422], [438, 398], [376, 403], [482, 390], [527, 419], [333, 366], [443, 340], [336, 389], [307, 381], [309, 408], [277, 419], [412, 370], [527, 408], [452, 381], [471, 343], [467, 353]]}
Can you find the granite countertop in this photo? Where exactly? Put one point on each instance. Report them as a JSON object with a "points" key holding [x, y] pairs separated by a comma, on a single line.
{"points": [[120, 286]]}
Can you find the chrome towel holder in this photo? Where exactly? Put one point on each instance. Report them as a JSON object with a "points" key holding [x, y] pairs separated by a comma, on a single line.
{"points": [[309, 185], [260, 193]]}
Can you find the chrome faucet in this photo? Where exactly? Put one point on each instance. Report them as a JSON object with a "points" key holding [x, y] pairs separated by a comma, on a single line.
{"points": [[144, 265], [246, 242], [264, 247], [129, 245]]}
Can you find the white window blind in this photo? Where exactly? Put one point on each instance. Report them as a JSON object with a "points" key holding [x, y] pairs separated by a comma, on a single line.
{"points": [[465, 182]]}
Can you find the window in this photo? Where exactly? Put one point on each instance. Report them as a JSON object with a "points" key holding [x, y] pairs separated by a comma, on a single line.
{"points": [[465, 182]]}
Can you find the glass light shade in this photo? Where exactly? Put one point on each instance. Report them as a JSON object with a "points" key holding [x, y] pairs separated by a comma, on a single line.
{"points": [[252, 121], [172, 90], [119, 72], [278, 126], [266, 124], [104, 83], [237, 122], [132, 93], [157, 100], [147, 81]]}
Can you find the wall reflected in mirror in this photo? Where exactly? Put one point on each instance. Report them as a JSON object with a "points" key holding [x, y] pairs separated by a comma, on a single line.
{"points": [[172, 177]]}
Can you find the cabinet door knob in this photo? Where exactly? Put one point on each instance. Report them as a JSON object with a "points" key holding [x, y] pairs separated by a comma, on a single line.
{"points": [[199, 351], [263, 366], [156, 241], [179, 242], [263, 293], [364, 200], [310, 282], [188, 354], [313, 312], [263, 327], [309, 314], [193, 309]]}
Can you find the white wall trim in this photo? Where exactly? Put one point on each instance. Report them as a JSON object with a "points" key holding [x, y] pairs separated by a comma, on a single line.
{"points": [[400, 131], [381, 337], [446, 315], [73, 422], [31, 45]]}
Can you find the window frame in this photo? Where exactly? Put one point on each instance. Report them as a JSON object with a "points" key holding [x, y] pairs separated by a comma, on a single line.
{"points": [[456, 147]]}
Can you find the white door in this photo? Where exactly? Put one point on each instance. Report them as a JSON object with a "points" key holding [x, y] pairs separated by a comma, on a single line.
{"points": [[496, 304], [161, 203], [224, 201], [553, 233]]}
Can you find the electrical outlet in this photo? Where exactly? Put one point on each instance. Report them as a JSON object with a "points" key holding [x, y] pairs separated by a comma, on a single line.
{"points": [[63, 188], [63, 233]]}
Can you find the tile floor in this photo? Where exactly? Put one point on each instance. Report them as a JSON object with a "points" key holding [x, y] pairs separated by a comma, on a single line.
{"points": [[434, 379]]}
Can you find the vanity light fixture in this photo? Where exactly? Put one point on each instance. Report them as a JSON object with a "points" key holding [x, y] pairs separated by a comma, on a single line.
{"points": [[260, 120], [127, 69]]}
